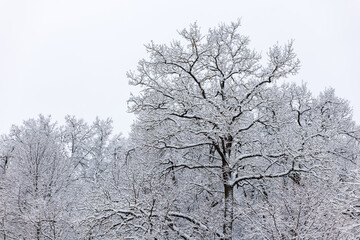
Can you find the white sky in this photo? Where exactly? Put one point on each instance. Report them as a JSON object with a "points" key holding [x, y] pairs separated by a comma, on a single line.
{"points": [[71, 56]]}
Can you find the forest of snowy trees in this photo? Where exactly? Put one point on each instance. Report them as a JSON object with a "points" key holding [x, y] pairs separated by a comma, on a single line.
{"points": [[219, 150]]}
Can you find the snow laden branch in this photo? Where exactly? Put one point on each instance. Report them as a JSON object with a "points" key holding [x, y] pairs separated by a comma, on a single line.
{"points": [[192, 220], [233, 182]]}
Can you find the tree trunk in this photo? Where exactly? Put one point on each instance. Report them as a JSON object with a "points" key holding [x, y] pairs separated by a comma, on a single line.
{"points": [[228, 212], [228, 190], [38, 230]]}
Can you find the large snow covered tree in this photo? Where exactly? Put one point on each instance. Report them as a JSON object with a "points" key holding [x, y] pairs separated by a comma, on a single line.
{"points": [[213, 106]]}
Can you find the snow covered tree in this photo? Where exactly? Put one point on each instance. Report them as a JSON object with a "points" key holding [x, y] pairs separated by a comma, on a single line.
{"points": [[213, 106], [49, 174], [87, 148], [34, 197]]}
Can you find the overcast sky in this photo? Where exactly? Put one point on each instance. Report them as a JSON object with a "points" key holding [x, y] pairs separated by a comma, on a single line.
{"points": [[71, 56]]}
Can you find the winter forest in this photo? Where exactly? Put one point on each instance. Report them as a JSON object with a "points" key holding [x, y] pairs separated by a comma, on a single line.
{"points": [[223, 147]]}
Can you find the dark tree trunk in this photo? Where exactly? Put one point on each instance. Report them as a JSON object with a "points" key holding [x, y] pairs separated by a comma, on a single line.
{"points": [[228, 212]]}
